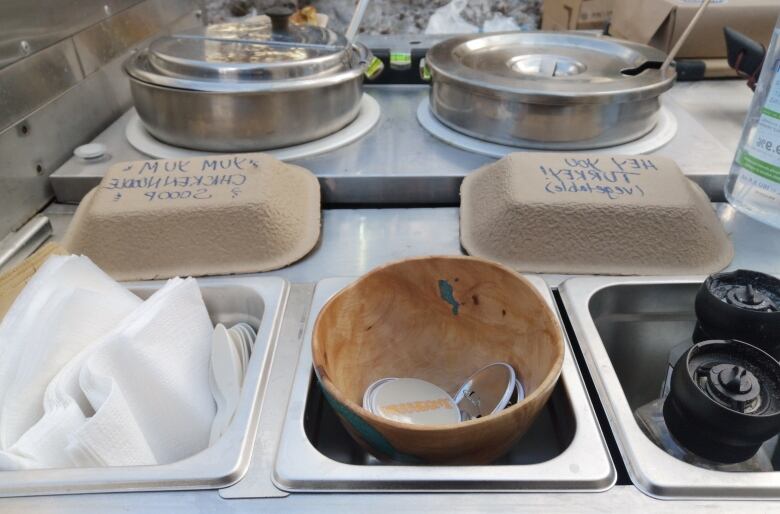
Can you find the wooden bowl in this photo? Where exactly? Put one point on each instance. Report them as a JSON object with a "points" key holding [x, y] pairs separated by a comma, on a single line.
{"points": [[438, 319]]}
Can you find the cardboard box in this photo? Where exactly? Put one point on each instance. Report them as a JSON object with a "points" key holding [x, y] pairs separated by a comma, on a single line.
{"points": [[576, 14], [660, 23]]}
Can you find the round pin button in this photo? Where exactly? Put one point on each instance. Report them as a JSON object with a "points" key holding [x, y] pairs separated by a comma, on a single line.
{"points": [[368, 395], [410, 400], [488, 390]]}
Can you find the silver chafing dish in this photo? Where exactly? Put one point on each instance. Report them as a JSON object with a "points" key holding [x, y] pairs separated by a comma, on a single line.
{"points": [[547, 90], [248, 86]]}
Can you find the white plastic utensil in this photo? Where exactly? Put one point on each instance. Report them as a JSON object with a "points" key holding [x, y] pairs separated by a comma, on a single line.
{"points": [[227, 372], [238, 341], [248, 332], [251, 331], [219, 398], [244, 339], [241, 334]]}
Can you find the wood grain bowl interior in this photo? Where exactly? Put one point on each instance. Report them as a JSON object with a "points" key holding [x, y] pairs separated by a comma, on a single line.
{"points": [[438, 319]]}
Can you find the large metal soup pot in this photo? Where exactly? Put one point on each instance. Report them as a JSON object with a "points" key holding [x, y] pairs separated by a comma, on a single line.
{"points": [[237, 87], [547, 90]]}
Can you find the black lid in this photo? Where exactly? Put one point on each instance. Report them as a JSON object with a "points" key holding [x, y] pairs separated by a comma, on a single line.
{"points": [[724, 400], [743, 305]]}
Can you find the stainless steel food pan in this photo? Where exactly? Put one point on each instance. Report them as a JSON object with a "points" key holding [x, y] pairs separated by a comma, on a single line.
{"points": [[258, 301], [563, 451], [626, 328]]}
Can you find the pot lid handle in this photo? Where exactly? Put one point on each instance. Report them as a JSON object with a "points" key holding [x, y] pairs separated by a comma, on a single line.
{"points": [[280, 17]]}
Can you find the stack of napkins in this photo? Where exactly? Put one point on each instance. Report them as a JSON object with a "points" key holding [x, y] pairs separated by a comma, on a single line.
{"points": [[90, 375]]}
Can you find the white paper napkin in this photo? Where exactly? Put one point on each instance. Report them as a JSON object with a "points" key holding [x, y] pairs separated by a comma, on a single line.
{"points": [[118, 382], [112, 436], [159, 367], [68, 305]]}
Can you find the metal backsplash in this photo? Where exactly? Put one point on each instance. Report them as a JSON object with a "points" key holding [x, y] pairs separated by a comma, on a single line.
{"points": [[28, 26], [61, 83]]}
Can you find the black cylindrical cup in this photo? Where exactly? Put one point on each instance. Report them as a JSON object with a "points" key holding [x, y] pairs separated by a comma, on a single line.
{"points": [[742, 305], [724, 400]]}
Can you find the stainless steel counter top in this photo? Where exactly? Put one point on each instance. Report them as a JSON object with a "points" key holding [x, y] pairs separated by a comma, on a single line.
{"points": [[617, 499], [625, 498], [400, 163], [720, 106], [353, 241], [356, 240]]}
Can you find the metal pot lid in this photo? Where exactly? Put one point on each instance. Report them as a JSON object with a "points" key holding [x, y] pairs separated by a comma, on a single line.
{"points": [[247, 57], [552, 67], [236, 51]]}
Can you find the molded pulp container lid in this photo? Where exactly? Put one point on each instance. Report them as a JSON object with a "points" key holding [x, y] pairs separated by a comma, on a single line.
{"points": [[591, 214], [216, 215]]}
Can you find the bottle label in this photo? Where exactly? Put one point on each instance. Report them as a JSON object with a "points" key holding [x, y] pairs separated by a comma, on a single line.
{"points": [[757, 184], [761, 155]]}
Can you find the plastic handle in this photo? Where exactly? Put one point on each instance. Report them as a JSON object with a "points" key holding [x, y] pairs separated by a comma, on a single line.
{"points": [[425, 71], [280, 17], [373, 65], [374, 68]]}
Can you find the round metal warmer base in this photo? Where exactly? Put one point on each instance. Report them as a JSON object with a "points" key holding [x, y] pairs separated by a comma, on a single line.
{"points": [[662, 133], [147, 144]]}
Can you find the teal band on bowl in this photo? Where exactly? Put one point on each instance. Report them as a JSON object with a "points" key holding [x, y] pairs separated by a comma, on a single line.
{"points": [[369, 434]]}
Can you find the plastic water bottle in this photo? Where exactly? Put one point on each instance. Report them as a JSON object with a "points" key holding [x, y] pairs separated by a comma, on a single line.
{"points": [[753, 186]]}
